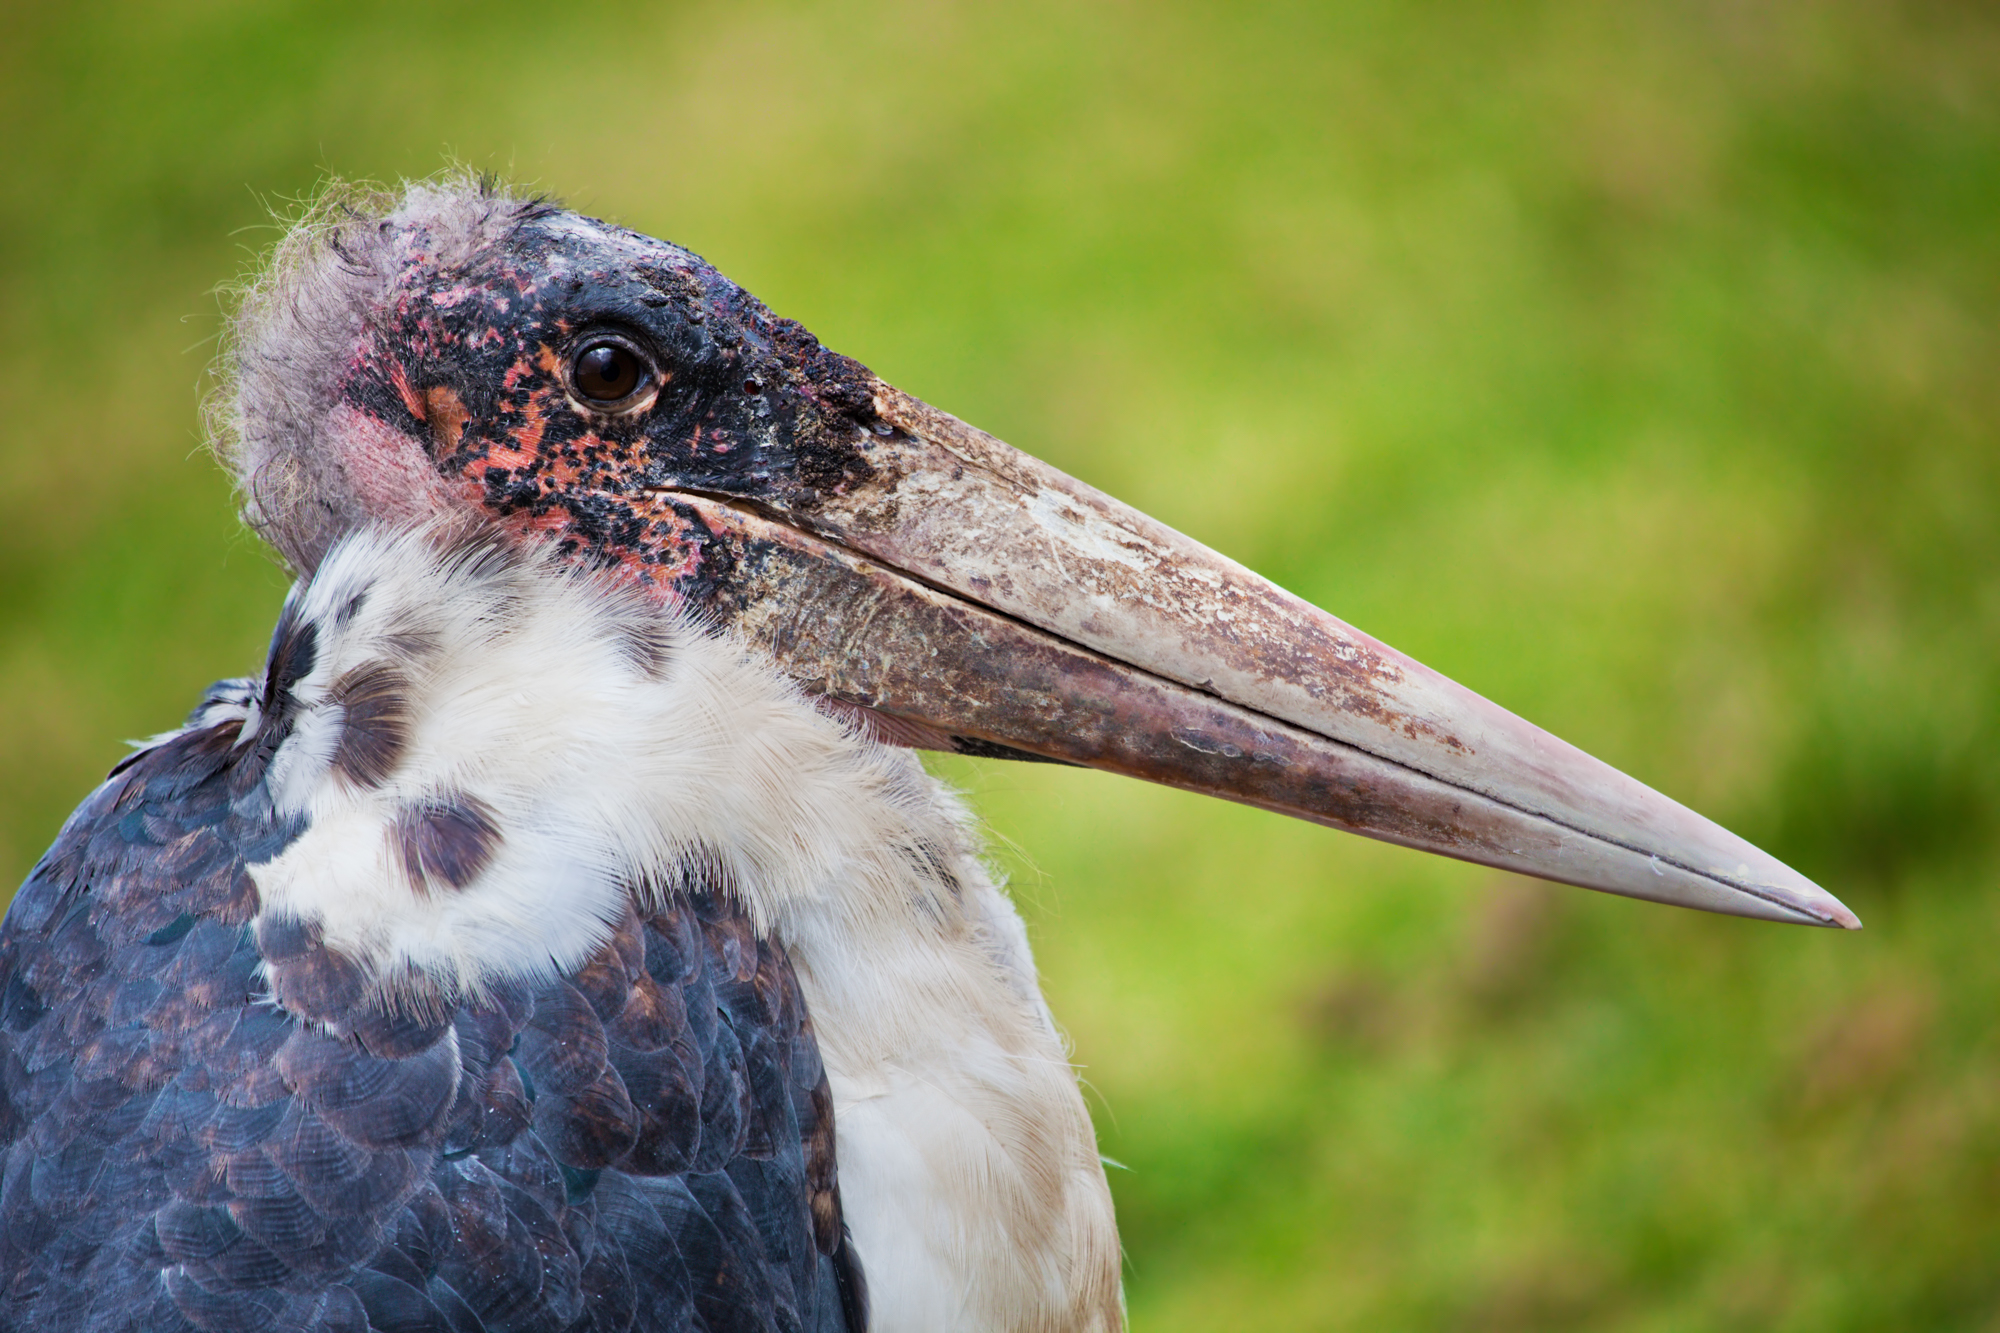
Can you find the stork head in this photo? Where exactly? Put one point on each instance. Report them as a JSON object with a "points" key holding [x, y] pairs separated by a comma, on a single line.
{"points": [[454, 350]]}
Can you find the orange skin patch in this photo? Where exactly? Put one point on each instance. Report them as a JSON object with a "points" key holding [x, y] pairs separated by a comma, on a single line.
{"points": [[464, 377]]}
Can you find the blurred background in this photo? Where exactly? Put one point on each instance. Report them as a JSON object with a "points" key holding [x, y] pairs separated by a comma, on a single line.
{"points": [[1635, 363]]}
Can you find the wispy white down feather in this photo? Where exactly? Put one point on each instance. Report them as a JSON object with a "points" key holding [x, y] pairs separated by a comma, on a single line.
{"points": [[299, 325]]}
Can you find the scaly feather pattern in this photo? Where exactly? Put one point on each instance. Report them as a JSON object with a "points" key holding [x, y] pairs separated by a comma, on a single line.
{"points": [[512, 956], [215, 1119]]}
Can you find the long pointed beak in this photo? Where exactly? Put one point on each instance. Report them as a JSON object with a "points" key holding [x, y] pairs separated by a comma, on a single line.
{"points": [[975, 597]]}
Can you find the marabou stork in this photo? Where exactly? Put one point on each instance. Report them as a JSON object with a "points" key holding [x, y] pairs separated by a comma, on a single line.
{"points": [[522, 947]]}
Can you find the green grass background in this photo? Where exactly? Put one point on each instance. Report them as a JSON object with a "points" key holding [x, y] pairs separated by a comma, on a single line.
{"points": [[1636, 363]]}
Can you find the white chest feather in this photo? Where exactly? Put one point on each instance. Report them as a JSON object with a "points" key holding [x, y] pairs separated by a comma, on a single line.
{"points": [[561, 746]]}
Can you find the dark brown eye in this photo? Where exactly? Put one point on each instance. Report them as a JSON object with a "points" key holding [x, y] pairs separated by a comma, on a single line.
{"points": [[606, 372]]}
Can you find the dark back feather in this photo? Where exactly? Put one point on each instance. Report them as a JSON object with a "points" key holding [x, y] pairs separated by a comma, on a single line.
{"points": [[207, 1126]]}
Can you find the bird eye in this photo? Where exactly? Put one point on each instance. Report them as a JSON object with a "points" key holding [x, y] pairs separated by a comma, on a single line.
{"points": [[605, 372]]}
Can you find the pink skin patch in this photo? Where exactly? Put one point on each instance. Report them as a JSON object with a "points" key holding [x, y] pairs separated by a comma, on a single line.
{"points": [[390, 472]]}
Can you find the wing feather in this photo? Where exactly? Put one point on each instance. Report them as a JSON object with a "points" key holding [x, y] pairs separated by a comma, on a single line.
{"points": [[207, 1125]]}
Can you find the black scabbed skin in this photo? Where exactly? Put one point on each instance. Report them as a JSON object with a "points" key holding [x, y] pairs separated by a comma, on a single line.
{"points": [[468, 356], [644, 1145], [470, 360]]}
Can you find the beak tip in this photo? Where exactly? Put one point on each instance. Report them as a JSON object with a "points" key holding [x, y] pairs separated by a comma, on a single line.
{"points": [[1826, 910]]}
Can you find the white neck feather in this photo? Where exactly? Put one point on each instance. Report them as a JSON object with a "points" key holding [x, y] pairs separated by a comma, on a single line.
{"points": [[614, 750]]}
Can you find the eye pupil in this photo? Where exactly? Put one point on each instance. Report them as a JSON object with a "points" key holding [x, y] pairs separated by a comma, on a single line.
{"points": [[606, 372]]}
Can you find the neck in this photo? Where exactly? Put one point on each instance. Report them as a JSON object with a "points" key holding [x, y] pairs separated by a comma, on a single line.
{"points": [[571, 746]]}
